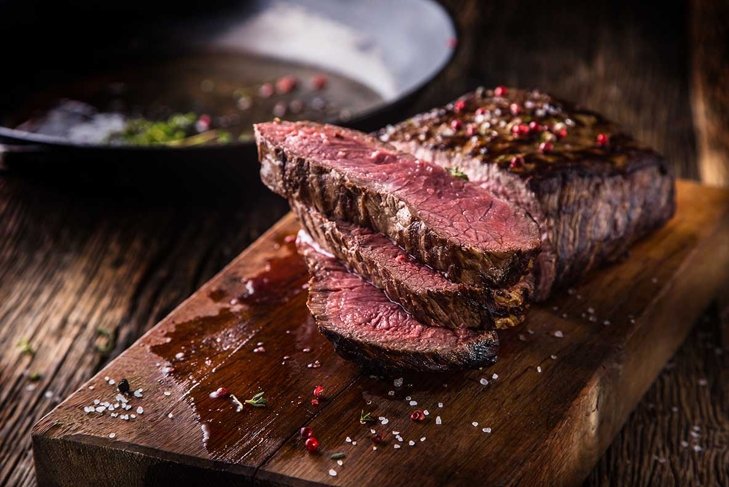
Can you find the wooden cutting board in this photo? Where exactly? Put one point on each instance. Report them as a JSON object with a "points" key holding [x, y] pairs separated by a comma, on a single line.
{"points": [[564, 384]]}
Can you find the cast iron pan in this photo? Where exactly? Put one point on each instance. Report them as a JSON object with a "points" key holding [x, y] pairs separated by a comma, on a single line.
{"points": [[395, 48]]}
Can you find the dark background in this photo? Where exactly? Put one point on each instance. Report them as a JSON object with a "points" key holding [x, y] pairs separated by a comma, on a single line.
{"points": [[77, 256]]}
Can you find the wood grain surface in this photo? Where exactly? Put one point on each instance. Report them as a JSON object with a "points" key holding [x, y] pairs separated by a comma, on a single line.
{"points": [[561, 390], [75, 259]]}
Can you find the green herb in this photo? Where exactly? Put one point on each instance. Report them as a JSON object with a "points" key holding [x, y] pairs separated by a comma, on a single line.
{"points": [[337, 456], [365, 417], [457, 173], [238, 404], [34, 376], [257, 401], [26, 348], [107, 343]]}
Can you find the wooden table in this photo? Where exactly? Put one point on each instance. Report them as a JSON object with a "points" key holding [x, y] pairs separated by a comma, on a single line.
{"points": [[85, 270]]}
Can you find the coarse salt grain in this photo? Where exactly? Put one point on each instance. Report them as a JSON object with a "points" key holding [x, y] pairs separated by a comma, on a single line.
{"points": [[397, 382], [539, 369], [170, 416], [413, 403], [559, 334], [486, 430], [495, 376], [390, 393], [484, 381], [553, 357], [440, 404], [112, 435], [348, 439], [396, 445], [340, 462], [354, 443], [167, 393], [426, 412], [475, 424], [140, 410], [422, 439], [411, 443], [438, 420], [332, 472]]}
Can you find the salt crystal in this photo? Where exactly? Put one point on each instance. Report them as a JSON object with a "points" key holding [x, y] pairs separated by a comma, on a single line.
{"points": [[140, 410], [179, 355], [340, 462], [411, 443], [106, 378], [407, 398], [396, 445], [702, 382], [306, 350], [348, 439], [553, 357], [413, 403], [438, 420], [539, 369], [112, 435], [395, 432], [495, 376], [484, 381], [426, 412], [384, 420], [112, 382], [332, 472], [486, 430], [390, 393], [440, 404], [167, 393], [170, 416], [397, 382], [684, 443], [96, 401], [48, 394], [422, 439], [138, 393], [475, 424], [399, 438], [354, 443], [374, 448], [558, 334], [133, 416]]}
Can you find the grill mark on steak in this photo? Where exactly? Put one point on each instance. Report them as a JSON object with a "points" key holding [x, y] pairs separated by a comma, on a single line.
{"points": [[368, 328], [427, 295], [441, 220], [592, 201]]}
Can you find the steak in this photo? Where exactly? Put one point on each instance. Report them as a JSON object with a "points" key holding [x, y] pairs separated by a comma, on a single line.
{"points": [[445, 222], [368, 328], [426, 294], [591, 187]]}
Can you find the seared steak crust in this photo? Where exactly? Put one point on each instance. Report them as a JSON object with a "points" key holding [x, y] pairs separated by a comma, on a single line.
{"points": [[593, 189], [426, 294], [444, 222], [368, 328]]}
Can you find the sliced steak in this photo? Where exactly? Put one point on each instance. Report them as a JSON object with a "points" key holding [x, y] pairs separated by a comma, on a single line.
{"points": [[365, 326], [426, 294], [449, 224], [593, 189]]}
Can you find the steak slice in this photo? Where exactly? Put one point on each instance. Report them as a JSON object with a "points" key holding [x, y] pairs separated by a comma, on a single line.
{"points": [[368, 328], [426, 294], [593, 189], [451, 225]]}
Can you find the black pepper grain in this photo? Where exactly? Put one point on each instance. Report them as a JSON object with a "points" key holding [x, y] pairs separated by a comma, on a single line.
{"points": [[123, 386]]}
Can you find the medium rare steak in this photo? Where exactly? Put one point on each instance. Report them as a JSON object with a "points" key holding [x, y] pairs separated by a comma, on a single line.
{"points": [[449, 224], [365, 326], [593, 189], [426, 294]]}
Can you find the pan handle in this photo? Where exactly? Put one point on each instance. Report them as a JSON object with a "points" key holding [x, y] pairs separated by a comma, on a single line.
{"points": [[7, 149]]}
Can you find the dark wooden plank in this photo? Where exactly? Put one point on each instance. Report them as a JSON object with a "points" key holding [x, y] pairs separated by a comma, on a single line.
{"points": [[710, 97], [77, 259], [563, 414]]}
